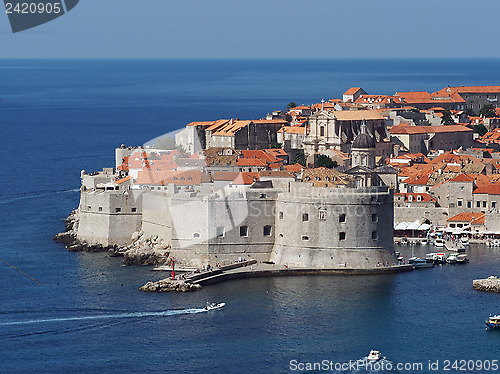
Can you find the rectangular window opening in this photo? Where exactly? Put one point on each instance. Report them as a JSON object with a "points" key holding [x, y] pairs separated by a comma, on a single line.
{"points": [[244, 231], [267, 230]]}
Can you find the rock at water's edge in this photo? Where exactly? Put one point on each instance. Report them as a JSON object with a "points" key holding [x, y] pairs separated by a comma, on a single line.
{"points": [[491, 284], [168, 285]]}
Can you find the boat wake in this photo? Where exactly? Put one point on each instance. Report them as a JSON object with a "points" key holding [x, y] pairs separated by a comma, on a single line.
{"points": [[107, 316], [35, 195]]}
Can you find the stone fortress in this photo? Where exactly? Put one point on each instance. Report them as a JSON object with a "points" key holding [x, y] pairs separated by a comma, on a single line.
{"points": [[323, 218]]}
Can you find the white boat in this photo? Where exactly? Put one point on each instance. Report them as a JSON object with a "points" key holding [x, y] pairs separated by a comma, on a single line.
{"points": [[424, 242], [464, 241], [452, 259], [439, 242], [214, 306], [374, 355], [462, 259], [404, 241], [496, 243], [420, 263]]}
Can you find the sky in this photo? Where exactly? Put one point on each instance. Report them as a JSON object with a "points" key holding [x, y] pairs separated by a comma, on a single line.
{"points": [[262, 29]]}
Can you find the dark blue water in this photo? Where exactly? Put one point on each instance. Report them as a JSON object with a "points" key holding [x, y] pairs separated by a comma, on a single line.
{"points": [[59, 117]]}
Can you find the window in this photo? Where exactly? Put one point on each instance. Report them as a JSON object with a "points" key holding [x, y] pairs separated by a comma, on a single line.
{"points": [[374, 217], [374, 235], [263, 195], [469, 204], [484, 204], [220, 232], [341, 235], [267, 230], [118, 210], [478, 204], [321, 131], [133, 210], [452, 225], [196, 235], [89, 207], [305, 217], [243, 230], [281, 215], [100, 209], [459, 203], [493, 204], [322, 215], [342, 218], [305, 237]]}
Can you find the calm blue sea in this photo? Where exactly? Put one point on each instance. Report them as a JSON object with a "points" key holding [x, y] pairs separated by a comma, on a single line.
{"points": [[87, 315]]}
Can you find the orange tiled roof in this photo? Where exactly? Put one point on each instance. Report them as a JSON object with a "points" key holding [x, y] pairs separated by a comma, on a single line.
{"points": [[462, 178], [423, 196], [297, 168], [352, 90], [428, 129], [465, 217], [293, 130], [473, 89]]}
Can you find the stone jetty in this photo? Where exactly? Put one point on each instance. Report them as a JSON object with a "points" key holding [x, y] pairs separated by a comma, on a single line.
{"points": [[169, 285], [490, 284]]}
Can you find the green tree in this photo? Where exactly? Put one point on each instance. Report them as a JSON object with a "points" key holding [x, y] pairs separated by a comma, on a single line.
{"points": [[275, 145], [300, 158], [488, 111], [291, 105], [480, 129], [447, 119], [325, 161]]}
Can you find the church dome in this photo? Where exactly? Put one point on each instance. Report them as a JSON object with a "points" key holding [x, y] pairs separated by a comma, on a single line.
{"points": [[363, 140]]}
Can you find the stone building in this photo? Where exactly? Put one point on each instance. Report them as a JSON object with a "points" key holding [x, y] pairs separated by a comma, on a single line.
{"points": [[322, 221], [337, 130], [475, 96]]}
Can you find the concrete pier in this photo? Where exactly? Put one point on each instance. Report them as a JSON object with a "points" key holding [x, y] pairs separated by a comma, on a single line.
{"points": [[268, 270]]}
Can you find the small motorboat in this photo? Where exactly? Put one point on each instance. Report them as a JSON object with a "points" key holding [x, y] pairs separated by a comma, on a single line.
{"points": [[214, 306], [374, 355], [404, 241], [462, 259], [420, 263], [493, 322], [464, 241], [424, 242], [451, 259], [496, 243]]}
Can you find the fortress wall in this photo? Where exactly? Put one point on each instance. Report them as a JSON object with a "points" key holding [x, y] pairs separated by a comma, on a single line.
{"points": [[329, 227], [156, 218], [101, 223], [436, 215]]}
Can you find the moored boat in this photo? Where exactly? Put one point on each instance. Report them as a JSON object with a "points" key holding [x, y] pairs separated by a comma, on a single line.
{"points": [[420, 263], [451, 259], [462, 259], [464, 241]]}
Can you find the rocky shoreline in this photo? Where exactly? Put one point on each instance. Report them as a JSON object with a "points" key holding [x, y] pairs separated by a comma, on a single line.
{"points": [[142, 251], [490, 284]]}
